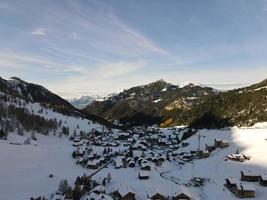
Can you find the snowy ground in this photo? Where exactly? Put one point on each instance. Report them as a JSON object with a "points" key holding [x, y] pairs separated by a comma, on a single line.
{"points": [[24, 169]]}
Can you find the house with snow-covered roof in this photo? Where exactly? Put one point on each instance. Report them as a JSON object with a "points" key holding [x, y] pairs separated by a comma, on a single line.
{"points": [[118, 162], [94, 196], [158, 196], [249, 176], [181, 196], [245, 191], [98, 189], [143, 175], [123, 192], [263, 180], [231, 183]]}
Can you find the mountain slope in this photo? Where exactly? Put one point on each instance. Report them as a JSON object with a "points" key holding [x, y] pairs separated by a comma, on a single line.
{"points": [[150, 104], [33, 93], [167, 105], [36, 93], [242, 107]]}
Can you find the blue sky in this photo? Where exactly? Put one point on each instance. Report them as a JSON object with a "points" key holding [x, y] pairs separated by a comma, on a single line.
{"points": [[80, 47]]}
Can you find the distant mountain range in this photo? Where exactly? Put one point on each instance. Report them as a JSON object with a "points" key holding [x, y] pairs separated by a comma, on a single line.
{"points": [[159, 103], [84, 101], [166, 104]]}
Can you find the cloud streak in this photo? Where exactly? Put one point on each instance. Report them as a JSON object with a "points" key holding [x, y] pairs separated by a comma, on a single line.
{"points": [[40, 32]]}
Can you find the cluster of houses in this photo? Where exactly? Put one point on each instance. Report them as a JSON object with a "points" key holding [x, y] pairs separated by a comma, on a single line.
{"points": [[87, 189], [142, 148], [124, 192], [119, 146], [244, 190], [144, 161], [209, 148]]}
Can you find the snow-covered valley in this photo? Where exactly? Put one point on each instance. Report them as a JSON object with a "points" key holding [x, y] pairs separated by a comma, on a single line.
{"points": [[25, 169]]}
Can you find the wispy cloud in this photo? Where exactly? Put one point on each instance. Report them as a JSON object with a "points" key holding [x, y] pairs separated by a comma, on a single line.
{"points": [[40, 32], [108, 69], [111, 70], [136, 37]]}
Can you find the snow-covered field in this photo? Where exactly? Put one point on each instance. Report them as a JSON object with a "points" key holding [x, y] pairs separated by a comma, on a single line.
{"points": [[24, 169]]}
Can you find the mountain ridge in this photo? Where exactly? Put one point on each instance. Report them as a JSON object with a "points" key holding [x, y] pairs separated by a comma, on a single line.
{"points": [[166, 104]]}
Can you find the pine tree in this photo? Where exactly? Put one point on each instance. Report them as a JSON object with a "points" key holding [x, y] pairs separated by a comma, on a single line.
{"points": [[77, 192]]}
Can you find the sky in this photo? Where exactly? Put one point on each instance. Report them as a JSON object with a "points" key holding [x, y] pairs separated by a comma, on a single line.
{"points": [[85, 47]]}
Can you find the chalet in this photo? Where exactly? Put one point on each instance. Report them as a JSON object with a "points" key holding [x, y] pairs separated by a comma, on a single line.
{"points": [[38, 198], [161, 159], [158, 196], [203, 154], [145, 166], [221, 143], [149, 158], [79, 161], [118, 162], [97, 197], [76, 144], [98, 190], [122, 136], [131, 164], [245, 191], [142, 175], [263, 180], [210, 148], [77, 139], [93, 164], [181, 196], [175, 153], [123, 193], [155, 160], [58, 197], [249, 177], [140, 160], [231, 183]]}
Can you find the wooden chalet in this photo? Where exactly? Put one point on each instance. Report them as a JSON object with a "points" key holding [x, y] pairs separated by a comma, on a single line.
{"points": [[93, 164], [181, 196], [143, 175], [221, 143], [158, 196], [38, 198], [210, 148], [123, 192], [231, 183], [240, 190], [203, 154], [245, 191], [145, 166], [249, 177], [263, 180], [100, 189], [131, 164]]}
